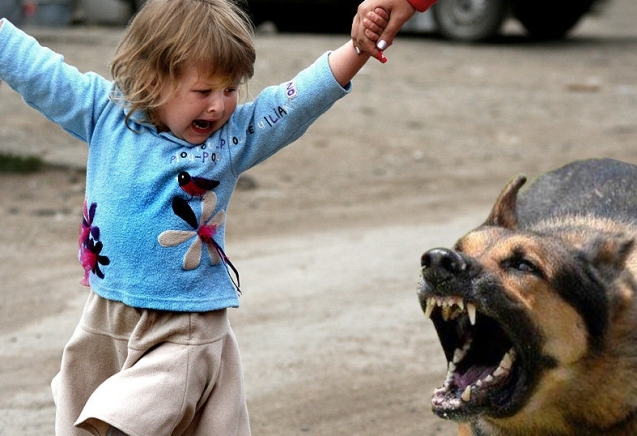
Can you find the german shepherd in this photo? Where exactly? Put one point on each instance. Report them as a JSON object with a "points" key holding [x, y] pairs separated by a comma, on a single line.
{"points": [[536, 308]]}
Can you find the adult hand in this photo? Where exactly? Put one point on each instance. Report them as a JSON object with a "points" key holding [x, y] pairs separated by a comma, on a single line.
{"points": [[367, 28]]}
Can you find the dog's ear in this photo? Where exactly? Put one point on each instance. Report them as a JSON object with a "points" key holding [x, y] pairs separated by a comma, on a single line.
{"points": [[609, 254], [504, 212], [610, 257]]}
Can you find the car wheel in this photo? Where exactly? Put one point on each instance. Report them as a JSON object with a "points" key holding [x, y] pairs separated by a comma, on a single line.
{"points": [[550, 19], [469, 20]]}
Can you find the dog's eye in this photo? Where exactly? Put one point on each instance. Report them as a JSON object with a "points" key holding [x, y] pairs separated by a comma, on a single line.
{"points": [[522, 264], [526, 266]]}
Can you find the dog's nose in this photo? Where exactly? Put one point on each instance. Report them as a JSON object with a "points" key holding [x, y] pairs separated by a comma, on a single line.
{"points": [[443, 258]]}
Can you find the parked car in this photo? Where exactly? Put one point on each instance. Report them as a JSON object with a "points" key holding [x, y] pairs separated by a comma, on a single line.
{"points": [[460, 20], [476, 20]]}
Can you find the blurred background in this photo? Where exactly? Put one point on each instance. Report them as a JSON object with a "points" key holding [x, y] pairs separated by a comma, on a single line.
{"points": [[457, 20]]}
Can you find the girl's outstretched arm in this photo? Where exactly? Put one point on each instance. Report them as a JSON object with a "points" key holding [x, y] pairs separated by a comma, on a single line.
{"points": [[345, 62]]}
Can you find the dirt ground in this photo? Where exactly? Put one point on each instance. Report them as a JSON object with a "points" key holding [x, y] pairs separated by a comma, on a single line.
{"points": [[328, 234]]}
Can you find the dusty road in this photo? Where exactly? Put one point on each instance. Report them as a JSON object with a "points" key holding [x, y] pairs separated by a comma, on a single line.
{"points": [[328, 237]]}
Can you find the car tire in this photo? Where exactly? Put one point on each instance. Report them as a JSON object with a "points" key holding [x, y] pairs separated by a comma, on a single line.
{"points": [[550, 19], [469, 20]]}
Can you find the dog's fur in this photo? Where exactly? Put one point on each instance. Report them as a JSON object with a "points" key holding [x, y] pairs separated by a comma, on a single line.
{"points": [[551, 277]]}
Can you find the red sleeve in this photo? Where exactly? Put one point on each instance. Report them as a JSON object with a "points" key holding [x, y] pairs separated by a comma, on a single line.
{"points": [[421, 5]]}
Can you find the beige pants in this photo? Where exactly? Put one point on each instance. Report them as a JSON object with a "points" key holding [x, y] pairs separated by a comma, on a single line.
{"points": [[150, 372]]}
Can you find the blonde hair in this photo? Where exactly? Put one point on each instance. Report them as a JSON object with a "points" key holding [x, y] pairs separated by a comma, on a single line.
{"points": [[166, 37]]}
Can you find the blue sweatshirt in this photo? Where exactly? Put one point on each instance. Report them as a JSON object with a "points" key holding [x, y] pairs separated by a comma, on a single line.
{"points": [[152, 234]]}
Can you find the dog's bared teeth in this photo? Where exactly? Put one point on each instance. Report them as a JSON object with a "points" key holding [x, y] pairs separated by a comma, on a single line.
{"points": [[503, 369], [471, 310], [505, 365], [451, 308], [500, 372], [507, 360], [466, 395], [458, 355], [431, 303], [451, 368]]}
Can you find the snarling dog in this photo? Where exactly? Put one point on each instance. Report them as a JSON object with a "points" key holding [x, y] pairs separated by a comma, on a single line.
{"points": [[536, 309]]}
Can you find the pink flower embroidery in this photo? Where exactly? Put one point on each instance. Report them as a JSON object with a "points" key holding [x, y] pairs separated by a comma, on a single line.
{"points": [[90, 246], [203, 231]]}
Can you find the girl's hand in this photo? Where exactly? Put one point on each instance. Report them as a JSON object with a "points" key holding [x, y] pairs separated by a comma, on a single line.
{"points": [[377, 22]]}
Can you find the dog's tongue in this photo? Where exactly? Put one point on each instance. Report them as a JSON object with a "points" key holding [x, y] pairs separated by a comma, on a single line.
{"points": [[472, 375]]}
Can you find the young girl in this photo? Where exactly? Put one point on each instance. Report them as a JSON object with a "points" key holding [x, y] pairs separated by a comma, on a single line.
{"points": [[153, 353]]}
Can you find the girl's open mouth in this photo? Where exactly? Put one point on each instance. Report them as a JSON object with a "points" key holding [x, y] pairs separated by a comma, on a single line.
{"points": [[202, 126]]}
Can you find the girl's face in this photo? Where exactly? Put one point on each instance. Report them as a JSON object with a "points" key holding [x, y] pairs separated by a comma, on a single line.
{"points": [[199, 107]]}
